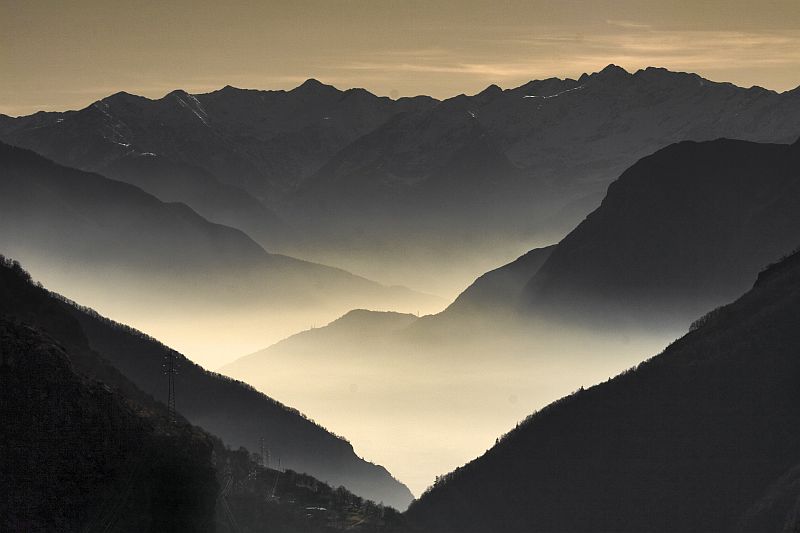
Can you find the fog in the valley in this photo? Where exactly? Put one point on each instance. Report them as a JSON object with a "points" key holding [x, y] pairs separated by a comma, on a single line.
{"points": [[419, 396], [215, 318], [423, 399], [415, 275], [438, 264]]}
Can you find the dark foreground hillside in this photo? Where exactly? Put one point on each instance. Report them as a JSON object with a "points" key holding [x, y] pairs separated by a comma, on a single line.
{"points": [[77, 456], [703, 437], [235, 412], [83, 449]]}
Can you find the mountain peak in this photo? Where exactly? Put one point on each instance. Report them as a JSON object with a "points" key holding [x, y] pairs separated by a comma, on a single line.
{"points": [[123, 97], [314, 86], [490, 90], [611, 68], [488, 94], [610, 72], [358, 93], [177, 93], [653, 72]]}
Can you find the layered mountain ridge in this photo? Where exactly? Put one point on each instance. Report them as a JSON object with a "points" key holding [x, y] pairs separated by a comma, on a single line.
{"points": [[348, 178], [149, 262], [681, 231]]}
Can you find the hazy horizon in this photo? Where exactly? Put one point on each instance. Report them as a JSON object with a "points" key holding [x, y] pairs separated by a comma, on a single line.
{"points": [[205, 89], [399, 49]]}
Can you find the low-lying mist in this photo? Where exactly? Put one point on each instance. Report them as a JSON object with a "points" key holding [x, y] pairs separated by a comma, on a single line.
{"points": [[418, 396], [422, 404], [214, 318], [442, 252], [434, 266]]}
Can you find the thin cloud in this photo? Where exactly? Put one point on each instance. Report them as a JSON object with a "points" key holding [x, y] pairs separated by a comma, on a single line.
{"points": [[575, 54], [628, 24]]}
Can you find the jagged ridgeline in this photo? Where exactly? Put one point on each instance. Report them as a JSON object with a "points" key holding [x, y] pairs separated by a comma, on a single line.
{"points": [[87, 448], [415, 190], [703, 437]]}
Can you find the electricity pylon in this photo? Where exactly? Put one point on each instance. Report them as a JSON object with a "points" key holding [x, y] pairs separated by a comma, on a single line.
{"points": [[170, 367]]}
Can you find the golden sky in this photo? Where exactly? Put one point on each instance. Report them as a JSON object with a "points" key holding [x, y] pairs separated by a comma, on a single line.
{"points": [[57, 54]]}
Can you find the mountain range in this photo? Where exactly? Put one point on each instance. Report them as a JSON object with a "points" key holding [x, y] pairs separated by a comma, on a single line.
{"points": [[215, 151], [150, 263], [377, 186], [665, 194]]}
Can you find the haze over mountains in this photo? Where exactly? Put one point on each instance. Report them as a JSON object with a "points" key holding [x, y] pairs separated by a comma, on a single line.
{"points": [[699, 438], [634, 203], [162, 267], [237, 146], [132, 364], [404, 191], [679, 233]]}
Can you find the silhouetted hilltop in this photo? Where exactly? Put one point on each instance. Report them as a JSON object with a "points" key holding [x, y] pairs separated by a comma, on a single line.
{"points": [[699, 438], [679, 232], [232, 410], [356, 329], [500, 289]]}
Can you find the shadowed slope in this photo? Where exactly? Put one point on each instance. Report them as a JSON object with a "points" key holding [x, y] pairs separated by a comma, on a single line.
{"points": [[229, 409], [679, 232], [78, 455], [695, 439]]}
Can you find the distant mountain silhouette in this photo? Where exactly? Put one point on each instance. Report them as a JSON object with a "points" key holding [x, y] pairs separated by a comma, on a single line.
{"points": [[219, 202], [534, 147], [699, 438], [353, 173], [232, 410], [90, 233], [262, 141], [681, 231], [357, 328], [499, 289], [86, 216]]}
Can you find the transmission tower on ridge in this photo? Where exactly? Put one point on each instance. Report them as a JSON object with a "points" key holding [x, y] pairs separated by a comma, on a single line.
{"points": [[170, 369]]}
